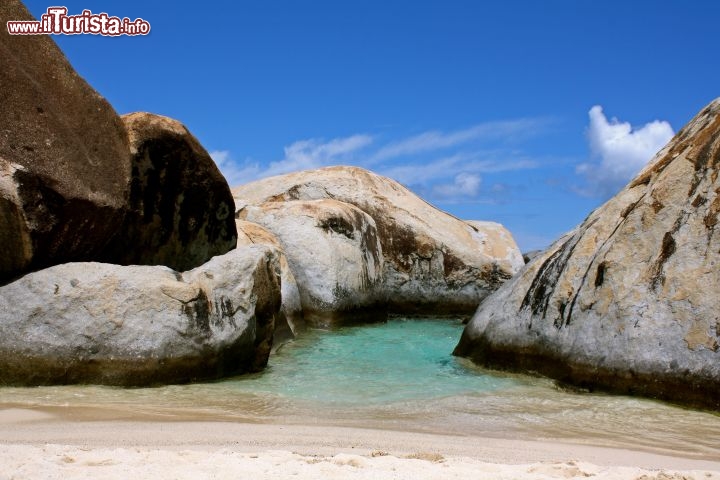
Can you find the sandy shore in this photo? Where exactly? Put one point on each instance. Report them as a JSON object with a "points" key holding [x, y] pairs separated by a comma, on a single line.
{"points": [[47, 444]]}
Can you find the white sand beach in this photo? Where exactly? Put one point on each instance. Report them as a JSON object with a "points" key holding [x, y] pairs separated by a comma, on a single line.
{"points": [[51, 443]]}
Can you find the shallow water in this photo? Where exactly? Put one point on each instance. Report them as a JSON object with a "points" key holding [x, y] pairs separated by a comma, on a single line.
{"points": [[399, 375]]}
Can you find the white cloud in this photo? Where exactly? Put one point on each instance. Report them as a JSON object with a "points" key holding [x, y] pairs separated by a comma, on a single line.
{"points": [[434, 140], [622, 151], [448, 167], [458, 173], [464, 185], [235, 173], [313, 153], [301, 155]]}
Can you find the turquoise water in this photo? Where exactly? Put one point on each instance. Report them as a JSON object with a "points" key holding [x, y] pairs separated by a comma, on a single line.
{"points": [[397, 375], [402, 360]]}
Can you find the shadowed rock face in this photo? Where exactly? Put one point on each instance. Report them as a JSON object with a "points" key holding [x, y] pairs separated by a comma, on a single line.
{"points": [[180, 206], [433, 263], [140, 325], [76, 185], [64, 160], [628, 301]]}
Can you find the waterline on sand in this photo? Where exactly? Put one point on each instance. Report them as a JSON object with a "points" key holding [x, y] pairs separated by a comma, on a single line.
{"points": [[396, 376]]}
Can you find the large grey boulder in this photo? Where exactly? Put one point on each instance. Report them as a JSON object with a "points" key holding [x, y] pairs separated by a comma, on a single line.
{"points": [[180, 209], [140, 325], [432, 262], [291, 320], [334, 254], [629, 300], [64, 159]]}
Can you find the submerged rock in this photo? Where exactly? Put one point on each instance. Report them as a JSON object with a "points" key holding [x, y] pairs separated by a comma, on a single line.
{"points": [[629, 300], [140, 325], [432, 262], [334, 254], [64, 159], [180, 206]]}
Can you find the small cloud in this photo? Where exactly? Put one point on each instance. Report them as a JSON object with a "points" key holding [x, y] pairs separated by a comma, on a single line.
{"points": [[234, 173], [435, 140], [301, 155], [499, 188], [464, 185], [313, 153], [447, 167], [220, 157], [622, 152], [405, 159]]}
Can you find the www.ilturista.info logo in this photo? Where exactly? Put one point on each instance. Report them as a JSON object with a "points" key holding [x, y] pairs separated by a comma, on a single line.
{"points": [[56, 21]]}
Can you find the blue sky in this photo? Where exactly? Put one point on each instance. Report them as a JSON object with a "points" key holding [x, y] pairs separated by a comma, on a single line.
{"points": [[529, 113]]}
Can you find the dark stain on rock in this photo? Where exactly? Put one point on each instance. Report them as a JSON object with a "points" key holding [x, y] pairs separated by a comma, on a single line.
{"points": [[227, 312], [666, 250], [699, 201], [559, 322], [451, 263], [711, 218], [627, 210], [707, 156], [493, 275], [198, 312], [600, 274], [657, 169], [338, 225], [398, 242], [180, 205], [544, 282], [293, 193]]}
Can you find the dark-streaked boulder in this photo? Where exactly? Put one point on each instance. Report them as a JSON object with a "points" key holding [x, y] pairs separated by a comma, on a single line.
{"points": [[140, 325], [630, 300], [64, 158], [180, 209]]}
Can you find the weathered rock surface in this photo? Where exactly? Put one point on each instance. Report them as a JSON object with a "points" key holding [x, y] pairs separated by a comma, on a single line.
{"points": [[630, 300], [334, 254], [140, 325], [64, 160], [432, 262], [291, 320], [180, 206], [497, 242]]}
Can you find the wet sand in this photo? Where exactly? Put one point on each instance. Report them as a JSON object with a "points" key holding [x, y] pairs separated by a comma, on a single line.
{"points": [[62, 442]]}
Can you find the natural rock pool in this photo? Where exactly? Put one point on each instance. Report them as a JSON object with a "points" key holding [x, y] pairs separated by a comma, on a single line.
{"points": [[395, 375]]}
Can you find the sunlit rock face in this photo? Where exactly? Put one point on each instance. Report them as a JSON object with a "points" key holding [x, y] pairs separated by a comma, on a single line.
{"points": [[415, 258]]}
